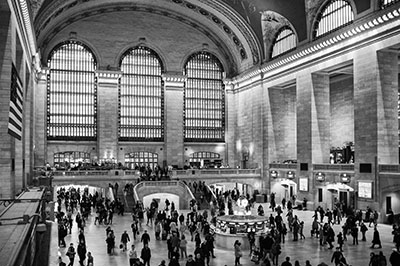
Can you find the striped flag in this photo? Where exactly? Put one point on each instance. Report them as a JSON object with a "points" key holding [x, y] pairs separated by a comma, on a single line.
{"points": [[16, 106]]}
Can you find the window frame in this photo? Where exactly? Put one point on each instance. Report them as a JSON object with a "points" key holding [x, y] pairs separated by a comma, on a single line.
{"points": [[322, 13], [90, 102], [199, 129], [279, 32], [138, 128]]}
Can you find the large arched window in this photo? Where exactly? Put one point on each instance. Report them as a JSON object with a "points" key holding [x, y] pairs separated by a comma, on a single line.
{"points": [[335, 15], [71, 93], [141, 96], [285, 41], [204, 98]]}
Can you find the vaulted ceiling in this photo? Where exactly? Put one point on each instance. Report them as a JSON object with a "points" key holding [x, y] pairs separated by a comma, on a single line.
{"points": [[235, 26]]}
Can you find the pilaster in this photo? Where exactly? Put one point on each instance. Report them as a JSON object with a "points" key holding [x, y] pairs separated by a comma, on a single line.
{"points": [[7, 146], [173, 136], [375, 112], [107, 113], [231, 122]]}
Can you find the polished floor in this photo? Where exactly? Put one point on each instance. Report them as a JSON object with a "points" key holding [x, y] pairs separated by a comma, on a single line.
{"points": [[308, 249]]}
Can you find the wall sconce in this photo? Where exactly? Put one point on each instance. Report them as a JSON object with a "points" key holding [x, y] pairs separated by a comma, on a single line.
{"points": [[345, 178], [273, 173], [290, 174], [320, 177]]}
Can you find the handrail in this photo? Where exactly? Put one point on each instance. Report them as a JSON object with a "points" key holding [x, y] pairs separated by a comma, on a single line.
{"points": [[212, 192], [187, 188]]}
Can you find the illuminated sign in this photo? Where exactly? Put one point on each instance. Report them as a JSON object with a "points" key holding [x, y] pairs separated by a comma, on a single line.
{"points": [[303, 184], [365, 190]]}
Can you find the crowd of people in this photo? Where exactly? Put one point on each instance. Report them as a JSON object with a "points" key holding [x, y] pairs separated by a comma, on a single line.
{"points": [[172, 226]]}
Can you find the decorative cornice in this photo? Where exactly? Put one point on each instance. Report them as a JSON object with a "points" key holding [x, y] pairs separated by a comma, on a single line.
{"points": [[349, 32], [108, 77], [174, 80]]}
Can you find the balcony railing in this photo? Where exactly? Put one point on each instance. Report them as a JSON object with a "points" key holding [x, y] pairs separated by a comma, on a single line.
{"points": [[333, 167], [283, 165], [389, 168], [204, 173]]}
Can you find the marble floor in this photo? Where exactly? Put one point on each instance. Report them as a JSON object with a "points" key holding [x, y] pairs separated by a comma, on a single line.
{"points": [[302, 250]]}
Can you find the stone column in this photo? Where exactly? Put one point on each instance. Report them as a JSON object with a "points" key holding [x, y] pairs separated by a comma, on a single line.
{"points": [[40, 110], [313, 125], [230, 125], [173, 118], [107, 113], [375, 112]]}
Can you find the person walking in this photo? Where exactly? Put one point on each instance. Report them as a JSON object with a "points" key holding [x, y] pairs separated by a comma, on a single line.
{"points": [[71, 254], [90, 259], [287, 261], [363, 229], [238, 252], [182, 247], [395, 257], [190, 261], [336, 256], [145, 238], [81, 253], [124, 240], [132, 255], [145, 255], [376, 240]]}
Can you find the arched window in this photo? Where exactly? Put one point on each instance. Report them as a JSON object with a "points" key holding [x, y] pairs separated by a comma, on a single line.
{"points": [[285, 41], [71, 93], [386, 3], [71, 159], [141, 96], [335, 15], [135, 160], [204, 159], [204, 99]]}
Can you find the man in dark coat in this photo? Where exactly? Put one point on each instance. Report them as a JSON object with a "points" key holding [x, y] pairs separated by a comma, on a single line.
{"points": [[146, 255], [376, 240], [81, 252], [395, 258]]}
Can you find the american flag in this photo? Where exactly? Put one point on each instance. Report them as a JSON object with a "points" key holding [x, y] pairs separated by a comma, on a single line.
{"points": [[16, 106]]}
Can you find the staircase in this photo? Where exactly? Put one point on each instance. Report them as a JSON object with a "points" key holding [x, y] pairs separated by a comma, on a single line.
{"points": [[205, 205], [129, 200]]}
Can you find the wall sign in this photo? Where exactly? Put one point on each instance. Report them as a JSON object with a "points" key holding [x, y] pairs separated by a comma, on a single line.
{"points": [[365, 190], [303, 184]]}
